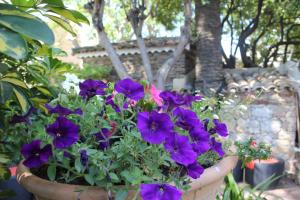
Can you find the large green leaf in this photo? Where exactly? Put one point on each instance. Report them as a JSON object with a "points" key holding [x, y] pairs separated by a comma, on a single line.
{"points": [[26, 24], [15, 81], [23, 3], [7, 9], [58, 3], [22, 99], [72, 15], [12, 44], [64, 24], [4, 68], [80, 17], [6, 91]]}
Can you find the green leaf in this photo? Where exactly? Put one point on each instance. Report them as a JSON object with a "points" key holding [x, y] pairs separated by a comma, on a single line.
{"points": [[72, 15], [51, 172], [121, 195], [6, 91], [89, 179], [78, 165], [45, 91], [80, 17], [4, 68], [22, 99], [24, 25], [15, 81], [4, 173], [23, 3], [63, 23], [12, 44], [113, 177], [7, 9], [58, 3]]}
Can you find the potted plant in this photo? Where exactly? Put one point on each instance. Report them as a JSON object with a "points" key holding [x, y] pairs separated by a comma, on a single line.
{"points": [[125, 141]]}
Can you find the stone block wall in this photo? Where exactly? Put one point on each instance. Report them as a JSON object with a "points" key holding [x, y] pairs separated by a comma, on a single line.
{"points": [[270, 117], [134, 65]]}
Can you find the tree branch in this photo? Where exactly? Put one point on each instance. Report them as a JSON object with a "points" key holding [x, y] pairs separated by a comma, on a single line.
{"points": [[184, 39], [96, 9], [136, 18]]}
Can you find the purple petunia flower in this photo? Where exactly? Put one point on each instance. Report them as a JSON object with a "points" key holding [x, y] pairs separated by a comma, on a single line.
{"points": [[172, 99], [186, 119], [22, 118], [189, 99], [84, 159], [219, 128], [34, 155], [194, 170], [217, 147], [159, 192], [200, 138], [180, 149], [131, 89], [154, 126], [62, 111], [109, 101], [90, 88], [103, 138], [64, 132]]}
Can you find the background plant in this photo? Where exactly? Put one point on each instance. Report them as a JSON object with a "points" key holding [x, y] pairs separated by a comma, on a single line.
{"points": [[30, 73]]}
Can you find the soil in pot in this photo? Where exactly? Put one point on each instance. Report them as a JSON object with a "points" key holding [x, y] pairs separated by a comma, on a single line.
{"points": [[258, 171]]}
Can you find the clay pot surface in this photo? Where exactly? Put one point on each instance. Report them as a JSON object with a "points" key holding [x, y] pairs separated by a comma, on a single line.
{"points": [[204, 188]]}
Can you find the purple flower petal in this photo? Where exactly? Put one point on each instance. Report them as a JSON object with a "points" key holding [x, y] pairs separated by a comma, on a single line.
{"points": [[34, 155], [64, 132], [62, 111], [154, 126], [194, 170], [84, 159], [220, 128], [201, 142], [186, 119], [109, 101], [160, 192], [130, 89], [180, 149], [22, 118], [217, 147], [90, 88]]}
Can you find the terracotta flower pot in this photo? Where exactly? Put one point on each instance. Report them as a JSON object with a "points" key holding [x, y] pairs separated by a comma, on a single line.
{"points": [[204, 188]]}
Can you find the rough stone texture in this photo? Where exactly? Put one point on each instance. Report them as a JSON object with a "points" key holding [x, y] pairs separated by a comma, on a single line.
{"points": [[134, 65], [209, 71], [270, 117]]}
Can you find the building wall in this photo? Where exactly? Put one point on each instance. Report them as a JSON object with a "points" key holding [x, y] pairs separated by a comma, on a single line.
{"points": [[134, 65], [270, 117]]}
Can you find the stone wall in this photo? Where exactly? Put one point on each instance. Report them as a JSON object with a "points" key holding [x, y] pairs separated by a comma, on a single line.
{"points": [[270, 117], [133, 63]]}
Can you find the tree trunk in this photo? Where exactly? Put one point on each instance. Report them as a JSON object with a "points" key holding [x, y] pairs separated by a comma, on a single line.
{"points": [[114, 57], [208, 69]]}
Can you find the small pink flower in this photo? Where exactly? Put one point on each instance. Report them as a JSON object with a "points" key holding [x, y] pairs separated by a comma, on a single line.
{"points": [[155, 95]]}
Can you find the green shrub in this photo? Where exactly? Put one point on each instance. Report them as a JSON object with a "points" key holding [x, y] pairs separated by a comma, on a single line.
{"points": [[93, 71]]}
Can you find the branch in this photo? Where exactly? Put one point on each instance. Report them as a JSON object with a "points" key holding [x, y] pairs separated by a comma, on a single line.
{"points": [[184, 39], [136, 18], [230, 10], [96, 9], [252, 26]]}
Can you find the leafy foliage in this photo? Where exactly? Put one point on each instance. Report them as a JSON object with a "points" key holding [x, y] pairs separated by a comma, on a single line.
{"points": [[30, 73], [233, 191], [90, 71], [249, 150]]}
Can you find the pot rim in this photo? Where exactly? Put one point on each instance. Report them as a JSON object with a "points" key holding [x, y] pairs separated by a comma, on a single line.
{"points": [[212, 174]]}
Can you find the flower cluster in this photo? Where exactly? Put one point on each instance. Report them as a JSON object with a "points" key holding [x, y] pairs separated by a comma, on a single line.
{"points": [[165, 121]]}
